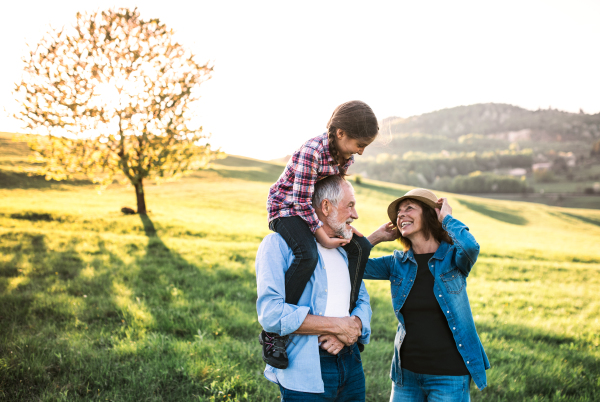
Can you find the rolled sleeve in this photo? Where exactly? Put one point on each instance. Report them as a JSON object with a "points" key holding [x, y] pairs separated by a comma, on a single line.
{"points": [[467, 248], [379, 268], [363, 311], [273, 313]]}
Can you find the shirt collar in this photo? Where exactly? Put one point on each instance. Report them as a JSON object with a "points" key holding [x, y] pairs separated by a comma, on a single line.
{"points": [[439, 254]]}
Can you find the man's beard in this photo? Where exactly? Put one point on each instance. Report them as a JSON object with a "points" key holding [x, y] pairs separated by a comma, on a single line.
{"points": [[339, 228]]}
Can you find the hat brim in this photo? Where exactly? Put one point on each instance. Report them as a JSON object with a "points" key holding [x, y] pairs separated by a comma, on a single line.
{"points": [[393, 207]]}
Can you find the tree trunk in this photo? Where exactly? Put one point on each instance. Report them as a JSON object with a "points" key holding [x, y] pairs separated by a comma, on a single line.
{"points": [[141, 199]]}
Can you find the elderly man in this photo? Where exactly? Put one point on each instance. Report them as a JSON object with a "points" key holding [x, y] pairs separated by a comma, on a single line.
{"points": [[332, 318]]}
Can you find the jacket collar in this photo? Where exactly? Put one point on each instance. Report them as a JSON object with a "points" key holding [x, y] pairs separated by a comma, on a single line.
{"points": [[442, 250]]}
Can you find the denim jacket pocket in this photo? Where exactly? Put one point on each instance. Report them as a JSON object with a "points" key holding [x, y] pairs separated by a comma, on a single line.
{"points": [[395, 282], [454, 281]]}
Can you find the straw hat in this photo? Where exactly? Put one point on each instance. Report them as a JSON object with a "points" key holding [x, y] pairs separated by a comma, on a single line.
{"points": [[420, 194]]}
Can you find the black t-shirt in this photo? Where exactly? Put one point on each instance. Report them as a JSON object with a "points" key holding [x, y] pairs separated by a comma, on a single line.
{"points": [[429, 346]]}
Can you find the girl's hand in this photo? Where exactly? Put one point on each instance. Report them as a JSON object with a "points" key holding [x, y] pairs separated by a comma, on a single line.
{"points": [[356, 232], [332, 242], [444, 209], [329, 242], [386, 232]]}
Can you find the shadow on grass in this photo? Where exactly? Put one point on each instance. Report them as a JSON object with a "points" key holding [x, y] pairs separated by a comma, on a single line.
{"points": [[585, 219], [13, 180], [381, 189], [541, 363], [498, 213], [195, 296], [247, 169], [90, 317]]}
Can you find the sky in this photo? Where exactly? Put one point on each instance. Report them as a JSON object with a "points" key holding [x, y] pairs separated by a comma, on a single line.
{"points": [[282, 67]]}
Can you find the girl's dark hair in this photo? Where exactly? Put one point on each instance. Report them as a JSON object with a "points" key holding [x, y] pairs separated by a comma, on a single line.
{"points": [[431, 226], [357, 120]]}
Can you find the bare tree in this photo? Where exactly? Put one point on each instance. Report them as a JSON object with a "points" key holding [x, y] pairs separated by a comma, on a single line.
{"points": [[114, 97]]}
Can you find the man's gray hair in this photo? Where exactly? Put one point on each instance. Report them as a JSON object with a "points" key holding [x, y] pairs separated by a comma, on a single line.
{"points": [[330, 188]]}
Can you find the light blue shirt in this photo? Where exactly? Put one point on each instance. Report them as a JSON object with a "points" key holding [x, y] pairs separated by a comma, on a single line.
{"points": [[303, 373]]}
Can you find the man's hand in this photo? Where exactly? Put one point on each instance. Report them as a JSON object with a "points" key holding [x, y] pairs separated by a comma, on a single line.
{"points": [[348, 330], [386, 232], [331, 344], [444, 209]]}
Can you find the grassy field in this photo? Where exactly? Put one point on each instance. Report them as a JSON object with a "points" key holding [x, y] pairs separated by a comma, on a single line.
{"points": [[101, 306]]}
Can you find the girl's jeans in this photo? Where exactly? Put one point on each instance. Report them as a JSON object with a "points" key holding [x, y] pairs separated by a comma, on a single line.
{"points": [[301, 240]]}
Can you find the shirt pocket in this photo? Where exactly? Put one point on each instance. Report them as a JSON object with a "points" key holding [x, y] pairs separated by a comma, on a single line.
{"points": [[395, 282], [454, 281]]}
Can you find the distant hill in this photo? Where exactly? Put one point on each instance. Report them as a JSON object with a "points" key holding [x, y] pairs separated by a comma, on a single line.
{"points": [[488, 148], [497, 118]]}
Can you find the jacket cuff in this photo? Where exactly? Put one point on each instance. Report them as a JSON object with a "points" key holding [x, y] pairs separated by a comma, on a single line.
{"points": [[365, 336]]}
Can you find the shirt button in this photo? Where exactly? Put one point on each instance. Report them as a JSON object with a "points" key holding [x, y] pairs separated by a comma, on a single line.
{"points": [[448, 312], [326, 290], [467, 362], [440, 295], [453, 327], [320, 313], [460, 345]]}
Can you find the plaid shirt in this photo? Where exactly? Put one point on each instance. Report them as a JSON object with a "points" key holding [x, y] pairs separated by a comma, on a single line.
{"points": [[292, 194]]}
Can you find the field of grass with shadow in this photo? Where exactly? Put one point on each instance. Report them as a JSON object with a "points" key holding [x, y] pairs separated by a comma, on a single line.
{"points": [[101, 306]]}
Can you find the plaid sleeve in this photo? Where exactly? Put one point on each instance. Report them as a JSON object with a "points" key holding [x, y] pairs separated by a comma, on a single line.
{"points": [[305, 177]]}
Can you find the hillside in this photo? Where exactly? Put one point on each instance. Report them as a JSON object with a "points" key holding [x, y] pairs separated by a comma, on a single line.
{"points": [[97, 305], [498, 118], [512, 151]]}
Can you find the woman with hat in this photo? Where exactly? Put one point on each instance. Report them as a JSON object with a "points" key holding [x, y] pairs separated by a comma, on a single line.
{"points": [[437, 350]]}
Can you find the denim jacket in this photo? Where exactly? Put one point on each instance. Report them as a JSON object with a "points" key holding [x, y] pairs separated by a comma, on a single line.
{"points": [[303, 373], [450, 266]]}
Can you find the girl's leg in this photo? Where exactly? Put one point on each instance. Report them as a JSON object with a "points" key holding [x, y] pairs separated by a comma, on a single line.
{"points": [[301, 240], [358, 250]]}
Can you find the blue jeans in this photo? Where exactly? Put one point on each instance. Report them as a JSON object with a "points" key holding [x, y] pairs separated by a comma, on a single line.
{"points": [[431, 388], [342, 375]]}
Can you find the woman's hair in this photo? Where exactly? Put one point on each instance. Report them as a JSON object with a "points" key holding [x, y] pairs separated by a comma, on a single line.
{"points": [[357, 120], [431, 226]]}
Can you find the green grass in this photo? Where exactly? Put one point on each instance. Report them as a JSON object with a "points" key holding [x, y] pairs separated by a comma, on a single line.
{"points": [[101, 306]]}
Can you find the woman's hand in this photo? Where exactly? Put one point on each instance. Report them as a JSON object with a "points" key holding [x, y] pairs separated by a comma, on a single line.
{"points": [[444, 209], [386, 232], [331, 344]]}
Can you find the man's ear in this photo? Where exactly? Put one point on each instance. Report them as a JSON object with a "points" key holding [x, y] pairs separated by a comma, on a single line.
{"points": [[325, 207]]}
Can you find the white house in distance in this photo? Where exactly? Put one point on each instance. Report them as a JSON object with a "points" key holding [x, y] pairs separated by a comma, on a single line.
{"points": [[541, 166], [517, 172]]}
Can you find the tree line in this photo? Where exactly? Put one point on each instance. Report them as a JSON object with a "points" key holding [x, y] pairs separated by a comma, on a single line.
{"points": [[455, 172]]}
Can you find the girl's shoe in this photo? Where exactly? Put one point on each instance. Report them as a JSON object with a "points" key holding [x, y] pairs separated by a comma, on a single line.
{"points": [[273, 349]]}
